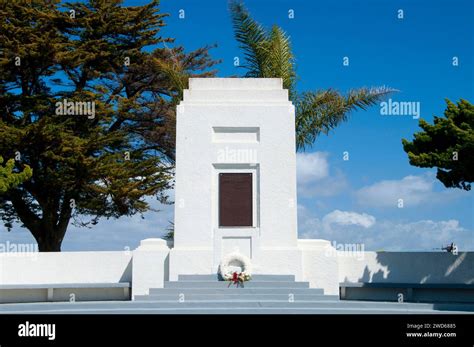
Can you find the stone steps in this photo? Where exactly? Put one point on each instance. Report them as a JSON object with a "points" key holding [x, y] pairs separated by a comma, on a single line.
{"points": [[258, 311], [207, 292], [328, 304], [230, 286], [274, 294], [261, 307], [259, 278], [236, 297], [240, 291]]}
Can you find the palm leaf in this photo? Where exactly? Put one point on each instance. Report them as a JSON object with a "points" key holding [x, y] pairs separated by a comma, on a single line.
{"points": [[279, 59], [321, 111], [269, 54], [176, 75], [252, 38]]}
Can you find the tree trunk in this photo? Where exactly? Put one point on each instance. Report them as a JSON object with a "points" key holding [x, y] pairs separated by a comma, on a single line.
{"points": [[52, 234], [50, 243], [53, 225], [50, 238]]}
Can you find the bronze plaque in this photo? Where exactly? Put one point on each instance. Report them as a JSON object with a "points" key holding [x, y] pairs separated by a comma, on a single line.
{"points": [[235, 200]]}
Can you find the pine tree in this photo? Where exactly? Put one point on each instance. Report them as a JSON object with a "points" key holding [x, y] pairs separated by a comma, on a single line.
{"points": [[448, 145], [87, 97]]}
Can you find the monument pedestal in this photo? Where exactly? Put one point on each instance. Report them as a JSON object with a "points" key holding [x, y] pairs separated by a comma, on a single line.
{"points": [[235, 177]]}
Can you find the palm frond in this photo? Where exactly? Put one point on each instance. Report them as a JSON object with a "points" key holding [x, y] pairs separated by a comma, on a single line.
{"points": [[252, 38], [365, 97], [269, 54], [279, 59], [321, 111], [177, 76]]}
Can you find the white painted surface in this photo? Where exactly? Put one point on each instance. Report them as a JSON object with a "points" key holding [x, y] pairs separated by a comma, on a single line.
{"points": [[238, 244], [235, 84], [235, 125], [236, 134], [65, 267], [320, 266], [407, 267], [150, 266], [191, 261]]}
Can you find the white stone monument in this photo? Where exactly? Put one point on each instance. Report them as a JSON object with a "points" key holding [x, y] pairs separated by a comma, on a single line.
{"points": [[235, 193], [235, 177]]}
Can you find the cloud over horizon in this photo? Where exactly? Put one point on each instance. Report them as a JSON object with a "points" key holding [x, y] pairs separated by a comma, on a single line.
{"points": [[353, 227], [413, 190], [314, 176]]}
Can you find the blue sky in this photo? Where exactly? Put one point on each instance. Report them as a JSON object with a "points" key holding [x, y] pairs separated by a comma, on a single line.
{"points": [[354, 200]]}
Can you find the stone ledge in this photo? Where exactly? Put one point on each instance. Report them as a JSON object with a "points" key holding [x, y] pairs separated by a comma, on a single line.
{"points": [[153, 244], [235, 83]]}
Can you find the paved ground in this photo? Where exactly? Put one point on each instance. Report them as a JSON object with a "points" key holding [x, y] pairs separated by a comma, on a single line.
{"points": [[265, 294], [234, 307]]}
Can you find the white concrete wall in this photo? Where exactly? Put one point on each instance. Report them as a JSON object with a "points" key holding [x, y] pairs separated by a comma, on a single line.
{"points": [[65, 267], [319, 265], [150, 266], [322, 266], [406, 267], [146, 267]]}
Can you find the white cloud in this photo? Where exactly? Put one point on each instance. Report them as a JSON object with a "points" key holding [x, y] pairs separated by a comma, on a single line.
{"points": [[310, 226], [348, 218], [413, 190], [351, 227], [327, 187], [311, 167], [425, 235], [314, 178]]}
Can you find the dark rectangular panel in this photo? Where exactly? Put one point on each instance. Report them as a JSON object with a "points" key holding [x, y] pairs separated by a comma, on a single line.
{"points": [[235, 199]]}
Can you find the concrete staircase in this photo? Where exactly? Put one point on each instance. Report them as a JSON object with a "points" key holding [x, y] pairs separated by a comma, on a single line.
{"points": [[264, 294], [206, 291]]}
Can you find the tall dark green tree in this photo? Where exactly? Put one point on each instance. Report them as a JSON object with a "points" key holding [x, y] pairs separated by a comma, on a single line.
{"points": [[448, 145], [87, 98], [268, 53]]}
